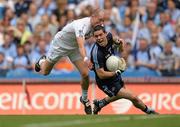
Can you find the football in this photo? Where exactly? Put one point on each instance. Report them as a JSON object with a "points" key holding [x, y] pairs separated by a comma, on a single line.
{"points": [[114, 63]]}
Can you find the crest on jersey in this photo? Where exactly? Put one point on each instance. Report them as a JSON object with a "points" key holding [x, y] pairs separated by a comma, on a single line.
{"points": [[81, 33]]}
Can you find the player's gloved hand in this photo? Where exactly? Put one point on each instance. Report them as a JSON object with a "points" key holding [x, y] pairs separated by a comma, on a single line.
{"points": [[122, 64]]}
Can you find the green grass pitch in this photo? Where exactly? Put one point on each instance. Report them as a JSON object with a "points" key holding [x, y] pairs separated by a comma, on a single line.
{"points": [[90, 121]]}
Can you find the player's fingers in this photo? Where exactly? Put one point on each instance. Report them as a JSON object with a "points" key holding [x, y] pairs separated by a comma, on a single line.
{"points": [[122, 64]]}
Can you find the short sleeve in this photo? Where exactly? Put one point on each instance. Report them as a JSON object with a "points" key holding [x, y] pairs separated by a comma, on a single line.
{"points": [[98, 60], [80, 29]]}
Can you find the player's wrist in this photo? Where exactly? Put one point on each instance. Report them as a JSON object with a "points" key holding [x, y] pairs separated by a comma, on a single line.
{"points": [[85, 59], [118, 72]]}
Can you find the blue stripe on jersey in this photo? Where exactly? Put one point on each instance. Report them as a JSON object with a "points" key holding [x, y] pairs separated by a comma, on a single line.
{"points": [[95, 56]]}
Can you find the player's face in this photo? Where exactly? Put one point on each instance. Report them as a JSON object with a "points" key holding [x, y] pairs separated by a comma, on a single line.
{"points": [[100, 37], [98, 20]]}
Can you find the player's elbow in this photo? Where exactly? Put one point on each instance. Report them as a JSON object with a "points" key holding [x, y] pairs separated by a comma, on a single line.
{"points": [[102, 76]]}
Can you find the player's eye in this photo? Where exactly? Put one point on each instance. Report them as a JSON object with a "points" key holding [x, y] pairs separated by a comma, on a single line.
{"points": [[96, 36]]}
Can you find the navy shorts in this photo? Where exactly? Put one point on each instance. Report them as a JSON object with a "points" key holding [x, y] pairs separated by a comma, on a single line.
{"points": [[111, 88]]}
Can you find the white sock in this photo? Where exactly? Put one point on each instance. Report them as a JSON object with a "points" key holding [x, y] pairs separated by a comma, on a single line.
{"points": [[148, 110], [84, 94], [41, 61]]}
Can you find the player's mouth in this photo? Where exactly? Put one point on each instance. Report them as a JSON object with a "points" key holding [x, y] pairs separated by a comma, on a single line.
{"points": [[101, 43]]}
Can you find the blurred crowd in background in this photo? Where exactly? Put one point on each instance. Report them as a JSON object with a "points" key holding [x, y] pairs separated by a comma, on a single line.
{"points": [[151, 29]]}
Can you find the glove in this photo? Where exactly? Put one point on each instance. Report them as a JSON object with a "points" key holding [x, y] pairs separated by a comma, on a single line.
{"points": [[122, 64], [118, 72]]}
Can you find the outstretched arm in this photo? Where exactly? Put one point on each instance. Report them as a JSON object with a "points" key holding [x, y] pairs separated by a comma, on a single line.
{"points": [[82, 50]]}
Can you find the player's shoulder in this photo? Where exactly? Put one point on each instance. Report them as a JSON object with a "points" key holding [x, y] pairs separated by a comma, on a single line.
{"points": [[109, 36], [96, 50], [82, 20]]}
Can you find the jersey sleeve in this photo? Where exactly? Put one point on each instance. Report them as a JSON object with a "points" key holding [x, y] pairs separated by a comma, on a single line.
{"points": [[97, 59]]}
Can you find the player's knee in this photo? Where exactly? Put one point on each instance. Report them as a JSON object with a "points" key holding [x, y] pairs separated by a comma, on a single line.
{"points": [[85, 75]]}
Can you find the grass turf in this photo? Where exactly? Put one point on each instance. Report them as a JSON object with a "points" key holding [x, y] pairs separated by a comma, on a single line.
{"points": [[90, 121]]}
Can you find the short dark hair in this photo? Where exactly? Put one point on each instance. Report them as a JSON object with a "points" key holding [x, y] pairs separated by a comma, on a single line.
{"points": [[99, 27]]}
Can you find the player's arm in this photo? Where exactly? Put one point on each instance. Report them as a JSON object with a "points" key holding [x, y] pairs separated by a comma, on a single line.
{"points": [[80, 38], [102, 74], [82, 50]]}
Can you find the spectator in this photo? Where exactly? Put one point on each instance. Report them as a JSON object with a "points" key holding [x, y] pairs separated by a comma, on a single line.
{"points": [[70, 15], [39, 30], [8, 47], [61, 8], [128, 55], [176, 47], [122, 6], [39, 50], [10, 16], [126, 26], [173, 11], [155, 48], [166, 28], [20, 61], [28, 54], [28, 26], [114, 14], [4, 65], [143, 58], [2, 8], [24, 34], [151, 13], [47, 26], [46, 7], [47, 38], [34, 18], [167, 62], [21, 6]]}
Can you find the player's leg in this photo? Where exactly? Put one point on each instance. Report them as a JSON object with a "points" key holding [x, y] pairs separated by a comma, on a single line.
{"points": [[123, 93], [46, 62], [111, 89], [43, 66], [84, 71], [127, 94]]}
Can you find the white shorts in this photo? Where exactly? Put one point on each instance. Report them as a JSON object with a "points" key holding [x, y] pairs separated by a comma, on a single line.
{"points": [[58, 49]]}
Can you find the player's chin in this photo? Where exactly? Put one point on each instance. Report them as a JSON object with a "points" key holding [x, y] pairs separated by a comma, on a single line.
{"points": [[101, 44]]}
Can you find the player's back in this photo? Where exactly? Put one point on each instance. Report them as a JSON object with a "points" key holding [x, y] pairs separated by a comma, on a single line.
{"points": [[66, 38], [75, 28]]}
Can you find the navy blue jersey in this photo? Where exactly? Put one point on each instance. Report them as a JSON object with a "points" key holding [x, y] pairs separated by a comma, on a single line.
{"points": [[99, 56]]}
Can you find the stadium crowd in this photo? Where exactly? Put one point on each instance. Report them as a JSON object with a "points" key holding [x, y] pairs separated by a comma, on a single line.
{"points": [[151, 29]]}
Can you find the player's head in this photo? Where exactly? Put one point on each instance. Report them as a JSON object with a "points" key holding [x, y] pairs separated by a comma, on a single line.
{"points": [[97, 18], [99, 34]]}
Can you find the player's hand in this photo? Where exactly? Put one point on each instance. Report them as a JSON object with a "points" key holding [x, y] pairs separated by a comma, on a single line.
{"points": [[90, 65], [122, 64], [120, 43], [118, 40]]}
